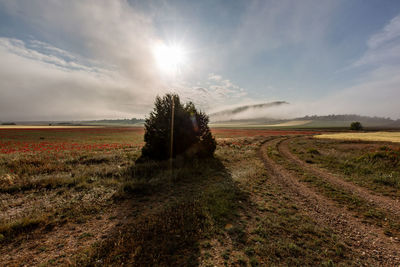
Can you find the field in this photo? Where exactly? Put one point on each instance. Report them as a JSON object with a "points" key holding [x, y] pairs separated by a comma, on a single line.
{"points": [[369, 136], [74, 196]]}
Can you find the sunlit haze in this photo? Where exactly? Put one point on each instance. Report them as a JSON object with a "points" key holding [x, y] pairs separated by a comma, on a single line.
{"points": [[170, 58], [65, 60]]}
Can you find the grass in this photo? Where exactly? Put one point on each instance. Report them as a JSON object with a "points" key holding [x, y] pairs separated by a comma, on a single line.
{"points": [[219, 211], [375, 166], [217, 215], [269, 229], [42, 188], [9, 230], [362, 208], [204, 199]]}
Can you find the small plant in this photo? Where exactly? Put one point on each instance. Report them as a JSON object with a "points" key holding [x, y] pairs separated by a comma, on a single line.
{"points": [[356, 126]]}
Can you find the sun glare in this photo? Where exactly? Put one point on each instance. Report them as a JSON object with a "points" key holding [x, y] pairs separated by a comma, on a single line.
{"points": [[169, 58]]}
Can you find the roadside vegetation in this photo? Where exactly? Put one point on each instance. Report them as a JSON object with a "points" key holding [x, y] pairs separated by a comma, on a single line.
{"points": [[369, 165], [375, 166]]}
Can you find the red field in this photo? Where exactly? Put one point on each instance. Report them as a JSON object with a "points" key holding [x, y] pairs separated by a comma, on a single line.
{"points": [[60, 140]]}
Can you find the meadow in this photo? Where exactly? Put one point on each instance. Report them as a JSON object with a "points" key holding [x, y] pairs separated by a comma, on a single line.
{"points": [[74, 196]]}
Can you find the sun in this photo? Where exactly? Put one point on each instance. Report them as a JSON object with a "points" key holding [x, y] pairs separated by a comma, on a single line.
{"points": [[169, 58]]}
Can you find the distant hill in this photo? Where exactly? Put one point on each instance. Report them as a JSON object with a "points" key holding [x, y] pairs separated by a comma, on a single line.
{"points": [[262, 115], [345, 119], [116, 121], [105, 122]]}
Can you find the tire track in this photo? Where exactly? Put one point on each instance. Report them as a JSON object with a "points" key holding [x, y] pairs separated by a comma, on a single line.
{"points": [[386, 203], [369, 241]]}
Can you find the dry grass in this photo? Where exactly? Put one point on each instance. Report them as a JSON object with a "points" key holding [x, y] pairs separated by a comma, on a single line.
{"points": [[375, 166], [98, 208], [373, 136]]}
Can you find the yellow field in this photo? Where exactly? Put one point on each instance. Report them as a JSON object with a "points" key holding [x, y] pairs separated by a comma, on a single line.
{"points": [[374, 136]]}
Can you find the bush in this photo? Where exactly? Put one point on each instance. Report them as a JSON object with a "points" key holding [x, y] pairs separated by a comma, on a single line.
{"points": [[356, 126], [191, 134]]}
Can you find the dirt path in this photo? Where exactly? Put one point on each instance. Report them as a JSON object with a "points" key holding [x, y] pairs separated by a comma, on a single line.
{"points": [[383, 202], [365, 239]]}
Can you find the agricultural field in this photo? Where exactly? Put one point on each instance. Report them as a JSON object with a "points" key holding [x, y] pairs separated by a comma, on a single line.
{"points": [[74, 196], [368, 136]]}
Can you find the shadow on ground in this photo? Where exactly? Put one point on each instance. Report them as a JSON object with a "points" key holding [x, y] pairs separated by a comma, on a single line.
{"points": [[168, 214]]}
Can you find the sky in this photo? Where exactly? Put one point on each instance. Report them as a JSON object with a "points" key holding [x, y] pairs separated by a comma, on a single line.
{"points": [[97, 59]]}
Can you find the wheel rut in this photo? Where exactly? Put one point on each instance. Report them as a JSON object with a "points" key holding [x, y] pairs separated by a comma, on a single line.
{"points": [[369, 241], [386, 203]]}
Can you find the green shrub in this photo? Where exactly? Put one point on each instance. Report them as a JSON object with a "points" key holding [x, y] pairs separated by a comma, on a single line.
{"points": [[191, 134], [356, 126]]}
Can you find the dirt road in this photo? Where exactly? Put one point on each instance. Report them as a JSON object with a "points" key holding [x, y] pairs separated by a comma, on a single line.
{"points": [[368, 240], [383, 202]]}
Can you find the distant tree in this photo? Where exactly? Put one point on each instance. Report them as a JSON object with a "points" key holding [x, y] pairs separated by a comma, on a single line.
{"points": [[191, 135], [356, 126]]}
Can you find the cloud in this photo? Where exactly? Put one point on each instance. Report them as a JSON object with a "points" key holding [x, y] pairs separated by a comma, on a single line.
{"points": [[383, 47], [377, 91], [37, 86], [216, 93], [94, 59], [214, 77], [268, 25], [376, 95], [105, 68], [389, 33], [42, 52]]}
